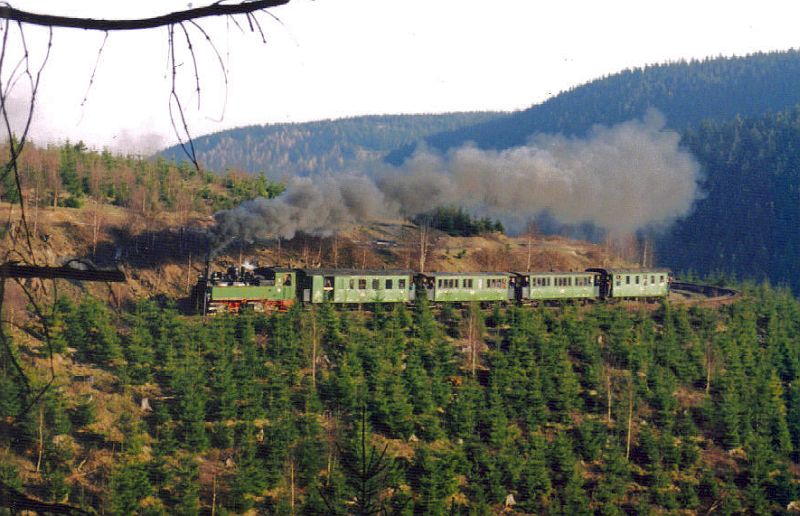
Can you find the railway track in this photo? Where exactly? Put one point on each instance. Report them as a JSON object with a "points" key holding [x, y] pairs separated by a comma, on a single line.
{"points": [[688, 292]]}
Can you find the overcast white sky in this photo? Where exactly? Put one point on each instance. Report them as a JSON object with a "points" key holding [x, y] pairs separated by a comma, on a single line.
{"points": [[337, 58]]}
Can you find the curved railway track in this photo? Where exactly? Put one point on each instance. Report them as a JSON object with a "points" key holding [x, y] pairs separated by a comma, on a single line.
{"points": [[689, 292]]}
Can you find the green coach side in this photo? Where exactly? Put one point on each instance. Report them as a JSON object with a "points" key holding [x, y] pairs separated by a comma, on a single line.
{"points": [[637, 283], [355, 286], [466, 286], [551, 286]]}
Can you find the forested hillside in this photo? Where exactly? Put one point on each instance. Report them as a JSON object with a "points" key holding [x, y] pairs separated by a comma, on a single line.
{"points": [[747, 223], [285, 150], [685, 92], [737, 117], [71, 175], [566, 411]]}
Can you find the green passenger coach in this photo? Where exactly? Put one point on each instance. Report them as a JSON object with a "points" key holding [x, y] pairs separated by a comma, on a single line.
{"points": [[547, 286], [356, 286], [466, 286], [635, 283]]}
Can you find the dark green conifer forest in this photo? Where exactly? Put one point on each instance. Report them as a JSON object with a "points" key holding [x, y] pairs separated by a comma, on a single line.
{"points": [[606, 409]]}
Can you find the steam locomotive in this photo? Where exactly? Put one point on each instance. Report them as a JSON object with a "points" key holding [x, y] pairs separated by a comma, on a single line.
{"points": [[278, 288]]}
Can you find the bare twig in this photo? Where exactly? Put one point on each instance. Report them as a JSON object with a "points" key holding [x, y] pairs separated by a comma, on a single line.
{"points": [[236, 22], [258, 26], [222, 66], [188, 145], [94, 70], [194, 62]]}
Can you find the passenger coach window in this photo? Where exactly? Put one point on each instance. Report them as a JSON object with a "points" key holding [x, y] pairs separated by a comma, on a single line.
{"points": [[352, 284], [388, 284], [662, 278], [653, 280], [627, 280], [637, 280], [401, 283], [362, 284], [376, 284]]}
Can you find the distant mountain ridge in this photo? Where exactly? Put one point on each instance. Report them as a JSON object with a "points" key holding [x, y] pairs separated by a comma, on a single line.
{"points": [[686, 92], [284, 150], [740, 118]]}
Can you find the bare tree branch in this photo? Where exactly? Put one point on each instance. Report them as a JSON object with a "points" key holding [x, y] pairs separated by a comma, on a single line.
{"points": [[94, 70], [194, 62], [222, 66], [215, 9], [15, 147], [188, 146]]}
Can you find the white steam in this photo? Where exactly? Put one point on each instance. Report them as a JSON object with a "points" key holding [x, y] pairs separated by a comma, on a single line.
{"points": [[619, 178]]}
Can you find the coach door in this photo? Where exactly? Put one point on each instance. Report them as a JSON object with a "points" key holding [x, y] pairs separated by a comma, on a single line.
{"points": [[327, 287]]}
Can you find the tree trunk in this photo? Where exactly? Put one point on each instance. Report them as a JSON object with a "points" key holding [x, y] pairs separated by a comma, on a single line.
{"points": [[36, 207], [214, 495], [291, 476], [472, 340], [630, 418], [709, 366], [95, 229], [528, 262], [423, 245], [318, 261], [41, 437], [314, 338], [608, 394]]}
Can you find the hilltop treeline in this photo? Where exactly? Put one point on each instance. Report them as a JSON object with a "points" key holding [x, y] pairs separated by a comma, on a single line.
{"points": [[453, 411], [285, 150], [686, 92], [69, 175], [455, 221]]}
